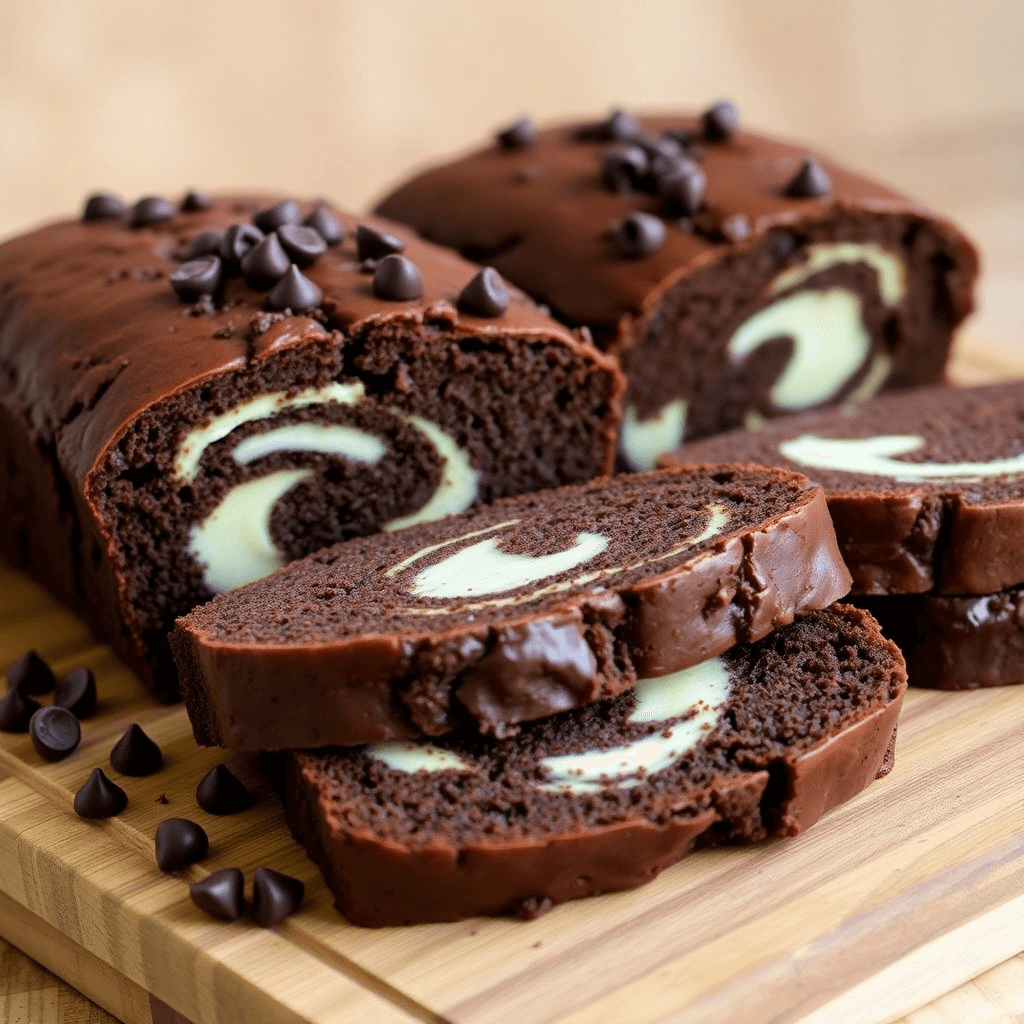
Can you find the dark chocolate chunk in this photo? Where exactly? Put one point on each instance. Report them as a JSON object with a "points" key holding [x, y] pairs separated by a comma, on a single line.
{"points": [[220, 894], [180, 842], [274, 896], [810, 182], [721, 122], [150, 210], [136, 754], [99, 797], [485, 295], [305, 245], [518, 135], [195, 201], [196, 278], [266, 263], [77, 692], [103, 206], [294, 291], [222, 792], [683, 189], [55, 733], [30, 675], [206, 243], [398, 279], [238, 240], [623, 168], [639, 234], [618, 126], [16, 711], [372, 244], [326, 225], [656, 146], [285, 212]]}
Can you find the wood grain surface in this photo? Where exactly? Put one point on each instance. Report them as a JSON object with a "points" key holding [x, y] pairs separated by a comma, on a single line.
{"points": [[909, 890]]}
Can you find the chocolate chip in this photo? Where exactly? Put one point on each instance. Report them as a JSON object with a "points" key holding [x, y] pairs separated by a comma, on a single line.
{"points": [[103, 206], [266, 263], [221, 792], [294, 291], [206, 243], [77, 692], [55, 733], [618, 126], [735, 228], [150, 210], [326, 225], [683, 189], [372, 244], [220, 894], [196, 278], [305, 245], [623, 168], [810, 182], [285, 212], [195, 201], [238, 240], [685, 137], [639, 234], [655, 145], [721, 122], [30, 675], [180, 842], [485, 295], [518, 135], [397, 279], [16, 711], [274, 896], [99, 797], [136, 754]]}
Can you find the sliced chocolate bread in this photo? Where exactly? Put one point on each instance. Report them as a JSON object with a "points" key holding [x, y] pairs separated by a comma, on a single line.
{"points": [[736, 277], [756, 743], [194, 393], [509, 612]]}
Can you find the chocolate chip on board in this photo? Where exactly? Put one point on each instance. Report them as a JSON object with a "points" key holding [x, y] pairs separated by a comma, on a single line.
{"points": [[30, 675], [77, 692], [16, 711], [136, 754], [274, 896], [220, 894], [220, 791], [180, 842], [99, 797], [55, 733]]}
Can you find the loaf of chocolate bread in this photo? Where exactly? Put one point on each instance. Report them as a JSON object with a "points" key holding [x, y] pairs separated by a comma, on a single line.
{"points": [[192, 394], [508, 612], [735, 277], [756, 743]]}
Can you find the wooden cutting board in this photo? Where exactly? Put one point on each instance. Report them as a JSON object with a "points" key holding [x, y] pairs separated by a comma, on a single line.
{"points": [[898, 896]]}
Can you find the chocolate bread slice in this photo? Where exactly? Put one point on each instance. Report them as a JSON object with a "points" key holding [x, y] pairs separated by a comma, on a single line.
{"points": [[192, 394], [735, 277], [756, 743], [508, 612]]}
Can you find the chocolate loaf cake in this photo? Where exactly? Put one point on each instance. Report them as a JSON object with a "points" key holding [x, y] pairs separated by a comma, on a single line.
{"points": [[508, 612], [756, 743], [734, 276], [194, 393]]}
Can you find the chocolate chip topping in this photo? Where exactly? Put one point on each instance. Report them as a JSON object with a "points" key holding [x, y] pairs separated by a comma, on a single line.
{"points": [[77, 692], [103, 206], [721, 122], [195, 201], [305, 245], [196, 278], [206, 243], [55, 733], [683, 189], [238, 240], [30, 675], [518, 135], [294, 291], [623, 168], [326, 225], [619, 125], [398, 279], [285, 212], [639, 234], [136, 754], [222, 792], [372, 244], [220, 894], [810, 182], [274, 896], [485, 295], [180, 842], [150, 210], [99, 797], [16, 710], [266, 263]]}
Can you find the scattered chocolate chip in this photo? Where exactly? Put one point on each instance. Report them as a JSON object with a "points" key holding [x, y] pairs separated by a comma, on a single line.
{"points": [[150, 210], [16, 711], [30, 675], [485, 295], [195, 201], [103, 206], [655, 145], [136, 754], [623, 168], [238, 240], [683, 189], [221, 792], [639, 234], [77, 692], [285, 212], [305, 245], [398, 279], [180, 842], [810, 182], [220, 894], [735, 228], [99, 797], [196, 278], [721, 122], [618, 126], [294, 291], [206, 243], [266, 263], [322, 221], [274, 896], [372, 244], [55, 733], [518, 135]]}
